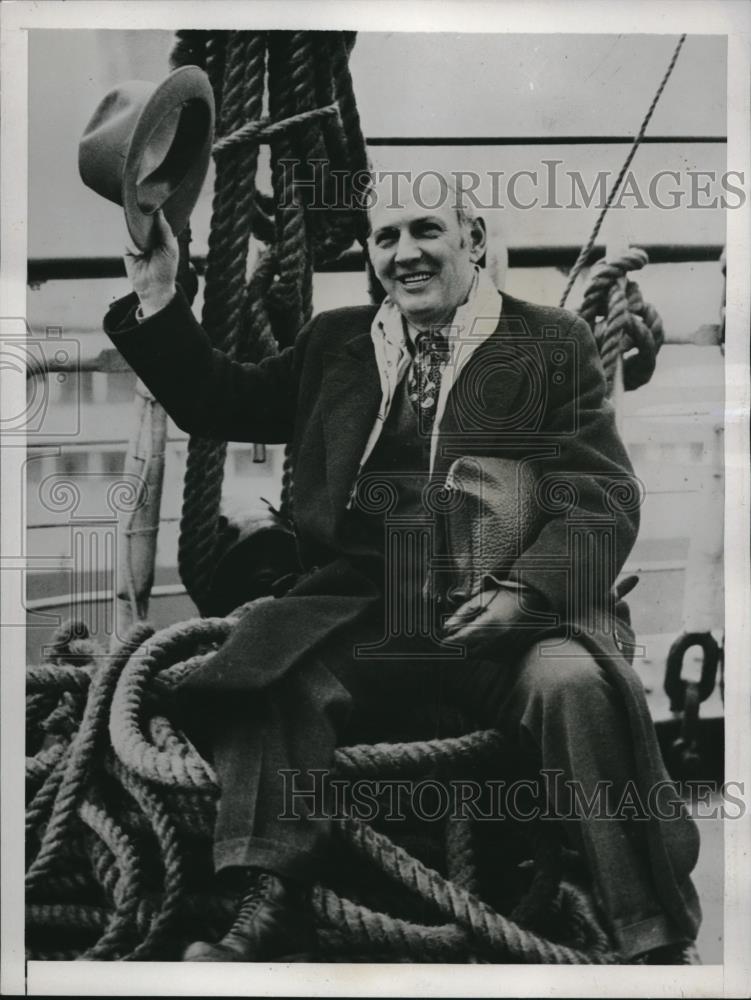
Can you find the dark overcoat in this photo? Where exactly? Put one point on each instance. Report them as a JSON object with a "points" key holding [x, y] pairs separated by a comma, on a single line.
{"points": [[534, 391]]}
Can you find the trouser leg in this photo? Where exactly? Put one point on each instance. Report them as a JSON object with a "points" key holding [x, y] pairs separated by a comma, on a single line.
{"points": [[562, 710], [268, 755], [270, 749]]}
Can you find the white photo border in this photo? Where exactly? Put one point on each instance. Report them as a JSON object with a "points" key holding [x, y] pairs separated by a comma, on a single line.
{"points": [[733, 979]]}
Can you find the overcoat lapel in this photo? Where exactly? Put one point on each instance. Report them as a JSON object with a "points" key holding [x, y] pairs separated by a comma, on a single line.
{"points": [[482, 406], [351, 396]]}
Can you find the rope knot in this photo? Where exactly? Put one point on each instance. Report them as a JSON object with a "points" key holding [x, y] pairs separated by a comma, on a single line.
{"points": [[623, 323]]}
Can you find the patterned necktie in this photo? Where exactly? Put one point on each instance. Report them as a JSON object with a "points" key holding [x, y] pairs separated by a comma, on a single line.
{"points": [[424, 380]]}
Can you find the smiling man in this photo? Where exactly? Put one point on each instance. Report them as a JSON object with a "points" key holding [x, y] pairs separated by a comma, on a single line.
{"points": [[378, 405], [423, 249]]}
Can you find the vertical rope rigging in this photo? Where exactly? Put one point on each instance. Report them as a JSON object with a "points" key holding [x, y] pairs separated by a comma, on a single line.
{"points": [[252, 318]]}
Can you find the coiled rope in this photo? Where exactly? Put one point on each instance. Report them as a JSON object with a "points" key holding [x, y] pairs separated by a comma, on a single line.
{"points": [[314, 132], [622, 321], [119, 834]]}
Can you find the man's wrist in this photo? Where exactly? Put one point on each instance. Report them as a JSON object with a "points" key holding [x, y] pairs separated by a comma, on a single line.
{"points": [[155, 303]]}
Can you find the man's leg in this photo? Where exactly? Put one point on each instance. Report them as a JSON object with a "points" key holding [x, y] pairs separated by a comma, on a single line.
{"points": [[268, 756], [563, 713], [261, 746], [291, 728], [271, 749]]}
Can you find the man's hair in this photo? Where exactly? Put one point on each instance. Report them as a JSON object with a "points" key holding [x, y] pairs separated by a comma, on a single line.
{"points": [[465, 208], [458, 196]]}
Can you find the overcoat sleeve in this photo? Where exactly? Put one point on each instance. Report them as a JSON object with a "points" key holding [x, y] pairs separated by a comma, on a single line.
{"points": [[200, 387], [587, 489]]}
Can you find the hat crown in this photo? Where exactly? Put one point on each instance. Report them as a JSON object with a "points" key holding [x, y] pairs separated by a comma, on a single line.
{"points": [[147, 146], [106, 139]]}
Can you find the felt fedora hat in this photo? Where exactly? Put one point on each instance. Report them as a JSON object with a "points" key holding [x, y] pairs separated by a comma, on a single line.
{"points": [[148, 146]]}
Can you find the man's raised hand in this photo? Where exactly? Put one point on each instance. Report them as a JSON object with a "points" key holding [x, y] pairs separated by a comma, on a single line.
{"points": [[152, 272]]}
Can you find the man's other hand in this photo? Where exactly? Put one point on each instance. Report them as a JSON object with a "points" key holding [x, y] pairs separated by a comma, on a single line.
{"points": [[152, 273], [486, 618]]}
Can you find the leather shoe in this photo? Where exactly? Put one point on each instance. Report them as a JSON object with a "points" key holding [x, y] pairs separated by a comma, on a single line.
{"points": [[272, 923]]}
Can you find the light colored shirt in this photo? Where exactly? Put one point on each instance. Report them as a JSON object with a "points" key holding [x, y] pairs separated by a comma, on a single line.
{"points": [[471, 325]]}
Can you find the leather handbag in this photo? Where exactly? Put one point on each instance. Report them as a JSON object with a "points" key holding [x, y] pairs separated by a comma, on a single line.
{"points": [[492, 517]]}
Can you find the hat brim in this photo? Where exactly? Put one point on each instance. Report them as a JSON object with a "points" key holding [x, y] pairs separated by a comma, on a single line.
{"points": [[186, 91]]}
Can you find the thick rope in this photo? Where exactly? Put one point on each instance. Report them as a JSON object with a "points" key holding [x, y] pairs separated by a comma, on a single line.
{"points": [[285, 298], [489, 929], [461, 863], [43, 799], [627, 321], [256, 312], [585, 251], [121, 929], [179, 766], [79, 763], [48, 678], [242, 98], [410, 759], [66, 884], [267, 129], [82, 916], [170, 851], [103, 865], [308, 121], [360, 928], [39, 767], [133, 816], [62, 720]]}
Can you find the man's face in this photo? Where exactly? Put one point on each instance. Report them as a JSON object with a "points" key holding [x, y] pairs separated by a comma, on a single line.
{"points": [[423, 257]]}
